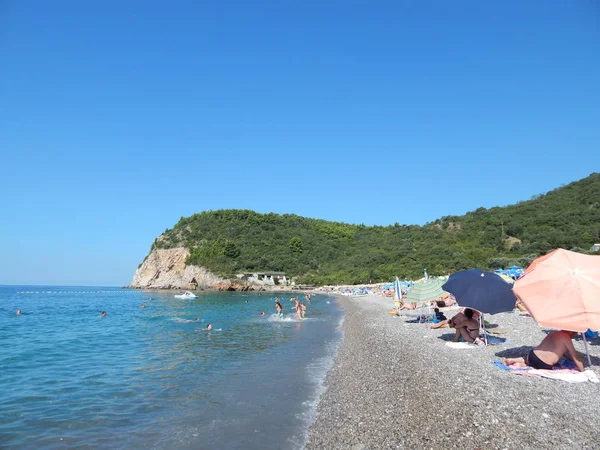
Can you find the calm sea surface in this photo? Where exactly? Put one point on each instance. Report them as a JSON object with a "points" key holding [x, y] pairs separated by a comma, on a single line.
{"points": [[150, 377]]}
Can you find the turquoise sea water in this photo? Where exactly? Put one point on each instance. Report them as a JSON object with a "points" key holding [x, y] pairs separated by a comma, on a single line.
{"points": [[150, 377]]}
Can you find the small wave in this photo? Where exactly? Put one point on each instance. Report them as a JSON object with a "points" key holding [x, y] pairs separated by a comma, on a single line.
{"points": [[180, 320], [289, 318]]}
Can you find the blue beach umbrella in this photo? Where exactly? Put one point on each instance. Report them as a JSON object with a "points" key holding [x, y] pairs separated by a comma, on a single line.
{"points": [[484, 291]]}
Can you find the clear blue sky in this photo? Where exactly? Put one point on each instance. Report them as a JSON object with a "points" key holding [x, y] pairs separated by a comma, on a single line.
{"points": [[117, 118]]}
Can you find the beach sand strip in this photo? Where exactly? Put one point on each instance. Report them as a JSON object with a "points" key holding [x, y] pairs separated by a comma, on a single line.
{"points": [[398, 385]]}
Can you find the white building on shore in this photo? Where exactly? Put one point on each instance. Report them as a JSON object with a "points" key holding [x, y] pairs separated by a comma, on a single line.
{"points": [[265, 278]]}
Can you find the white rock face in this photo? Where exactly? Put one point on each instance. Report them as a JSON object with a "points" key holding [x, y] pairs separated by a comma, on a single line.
{"points": [[166, 269]]}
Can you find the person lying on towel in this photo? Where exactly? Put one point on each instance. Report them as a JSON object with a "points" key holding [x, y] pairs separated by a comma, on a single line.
{"points": [[553, 347], [443, 302], [407, 305]]}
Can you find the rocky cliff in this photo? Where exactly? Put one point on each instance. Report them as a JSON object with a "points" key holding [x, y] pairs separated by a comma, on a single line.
{"points": [[166, 269]]}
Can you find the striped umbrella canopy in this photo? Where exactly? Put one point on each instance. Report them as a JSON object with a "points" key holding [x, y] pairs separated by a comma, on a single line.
{"points": [[424, 291], [505, 277]]}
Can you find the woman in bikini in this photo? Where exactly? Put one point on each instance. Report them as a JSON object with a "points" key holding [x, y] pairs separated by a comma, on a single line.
{"points": [[467, 329]]}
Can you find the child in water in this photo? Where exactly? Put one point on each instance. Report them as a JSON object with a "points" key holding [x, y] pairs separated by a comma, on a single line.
{"points": [[279, 308]]}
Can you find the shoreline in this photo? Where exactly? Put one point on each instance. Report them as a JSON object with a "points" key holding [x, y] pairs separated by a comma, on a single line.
{"points": [[396, 385]]}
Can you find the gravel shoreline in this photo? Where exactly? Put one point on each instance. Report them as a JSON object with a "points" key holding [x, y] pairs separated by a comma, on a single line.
{"points": [[398, 385]]}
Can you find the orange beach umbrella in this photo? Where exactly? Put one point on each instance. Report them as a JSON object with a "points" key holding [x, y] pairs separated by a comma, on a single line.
{"points": [[562, 290]]}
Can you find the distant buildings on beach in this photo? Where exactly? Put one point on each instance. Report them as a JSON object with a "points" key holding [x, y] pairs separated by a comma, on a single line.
{"points": [[266, 278]]}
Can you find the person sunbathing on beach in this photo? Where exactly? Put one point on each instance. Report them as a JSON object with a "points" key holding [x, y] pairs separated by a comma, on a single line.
{"points": [[467, 329], [456, 320], [444, 302], [439, 316], [466, 324], [407, 306], [552, 348]]}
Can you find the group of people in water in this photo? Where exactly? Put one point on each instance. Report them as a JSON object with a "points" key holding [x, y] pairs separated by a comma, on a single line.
{"points": [[299, 307], [143, 305]]}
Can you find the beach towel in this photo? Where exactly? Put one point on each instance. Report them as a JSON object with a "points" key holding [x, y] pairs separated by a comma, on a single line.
{"points": [[497, 331], [568, 375], [461, 345], [495, 340], [505, 367], [422, 319], [563, 371]]}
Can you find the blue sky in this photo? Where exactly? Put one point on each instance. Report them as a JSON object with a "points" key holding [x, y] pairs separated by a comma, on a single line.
{"points": [[118, 118]]}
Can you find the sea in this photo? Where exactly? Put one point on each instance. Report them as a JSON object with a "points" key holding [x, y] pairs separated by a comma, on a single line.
{"points": [[152, 377]]}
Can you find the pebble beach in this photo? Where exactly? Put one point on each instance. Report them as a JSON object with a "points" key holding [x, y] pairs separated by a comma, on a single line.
{"points": [[399, 385]]}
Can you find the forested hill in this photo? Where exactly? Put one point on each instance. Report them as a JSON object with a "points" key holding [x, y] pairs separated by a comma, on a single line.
{"points": [[321, 252]]}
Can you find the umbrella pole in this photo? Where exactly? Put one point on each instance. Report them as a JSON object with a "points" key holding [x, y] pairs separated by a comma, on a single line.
{"points": [[587, 352], [483, 326]]}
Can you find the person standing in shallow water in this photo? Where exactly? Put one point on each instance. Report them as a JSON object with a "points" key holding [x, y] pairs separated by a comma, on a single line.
{"points": [[279, 308], [299, 309]]}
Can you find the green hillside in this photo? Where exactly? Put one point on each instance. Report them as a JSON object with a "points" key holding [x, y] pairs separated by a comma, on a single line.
{"points": [[321, 252]]}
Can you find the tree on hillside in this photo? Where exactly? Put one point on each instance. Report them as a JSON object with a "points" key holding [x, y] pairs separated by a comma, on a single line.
{"points": [[316, 251]]}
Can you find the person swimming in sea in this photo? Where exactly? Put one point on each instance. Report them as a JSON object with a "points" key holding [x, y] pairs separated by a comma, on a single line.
{"points": [[103, 314], [18, 312], [207, 327], [143, 305], [262, 313]]}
